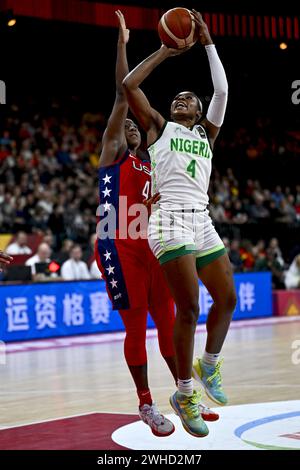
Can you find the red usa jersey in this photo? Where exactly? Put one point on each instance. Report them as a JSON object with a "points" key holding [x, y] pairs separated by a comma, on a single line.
{"points": [[122, 185]]}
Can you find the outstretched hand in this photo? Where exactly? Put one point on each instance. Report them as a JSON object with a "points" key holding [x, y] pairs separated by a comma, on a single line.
{"points": [[203, 34], [123, 31]]}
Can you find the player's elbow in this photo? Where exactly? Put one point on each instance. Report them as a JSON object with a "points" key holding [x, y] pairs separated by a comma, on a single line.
{"points": [[125, 82], [120, 95], [128, 83], [223, 91], [222, 88]]}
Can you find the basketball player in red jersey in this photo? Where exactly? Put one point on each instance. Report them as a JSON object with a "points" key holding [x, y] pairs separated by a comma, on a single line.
{"points": [[134, 279]]}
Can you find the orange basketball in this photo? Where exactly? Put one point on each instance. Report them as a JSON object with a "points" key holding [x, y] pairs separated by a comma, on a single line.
{"points": [[177, 28]]}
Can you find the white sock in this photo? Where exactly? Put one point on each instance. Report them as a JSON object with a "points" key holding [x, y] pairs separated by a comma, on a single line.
{"points": [[210, 359], [185, 386]]}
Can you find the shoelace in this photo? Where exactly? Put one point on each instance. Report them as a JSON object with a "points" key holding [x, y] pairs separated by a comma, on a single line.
{"points": [[155, 415], [192, 405], [216, 375]]}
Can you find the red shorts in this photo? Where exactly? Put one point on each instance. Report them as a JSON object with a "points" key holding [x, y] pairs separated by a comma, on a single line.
{"points": [[132, 274]]}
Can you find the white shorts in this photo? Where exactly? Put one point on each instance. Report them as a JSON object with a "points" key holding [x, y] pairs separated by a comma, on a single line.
{"points": [[174, 233]]}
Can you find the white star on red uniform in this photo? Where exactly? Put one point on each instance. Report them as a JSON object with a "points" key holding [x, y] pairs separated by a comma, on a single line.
{"points": [[106, 179], [106, 192], [113, 283], [107, 207], [110, 269]]}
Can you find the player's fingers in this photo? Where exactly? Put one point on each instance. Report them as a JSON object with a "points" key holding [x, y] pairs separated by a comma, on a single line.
{"points": [[120, 16], [174, 52], [156, 197], [152, 200], [197, 17], [183, 49], [122, 19], [197, 13], [4, 258], [197, 22]]}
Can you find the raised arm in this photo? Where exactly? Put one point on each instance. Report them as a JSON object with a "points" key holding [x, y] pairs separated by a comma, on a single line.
{"points": [[149, 119], [113, 140], [217, 107]]}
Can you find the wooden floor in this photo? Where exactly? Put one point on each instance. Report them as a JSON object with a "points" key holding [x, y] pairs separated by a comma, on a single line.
{"points": [[42, 385]]}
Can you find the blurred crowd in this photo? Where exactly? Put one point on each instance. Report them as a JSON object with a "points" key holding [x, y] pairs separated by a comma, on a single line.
{"points": [[48, 186], [252, 203], [248, 257]]}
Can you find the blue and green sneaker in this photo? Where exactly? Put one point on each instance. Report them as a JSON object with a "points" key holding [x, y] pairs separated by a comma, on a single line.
{"points": [[210, 377], [187, 408]]}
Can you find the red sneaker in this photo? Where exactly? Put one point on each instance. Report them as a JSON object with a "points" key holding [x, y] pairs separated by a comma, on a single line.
{"points": [[208, 414]]}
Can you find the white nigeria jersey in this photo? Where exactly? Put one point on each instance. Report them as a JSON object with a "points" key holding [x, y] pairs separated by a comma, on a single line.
{"points": [[181, 166]]}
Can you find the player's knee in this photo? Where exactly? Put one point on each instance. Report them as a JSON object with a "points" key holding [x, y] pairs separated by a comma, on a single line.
{"points": [[189, 311], [228, 302], [232, 300]]}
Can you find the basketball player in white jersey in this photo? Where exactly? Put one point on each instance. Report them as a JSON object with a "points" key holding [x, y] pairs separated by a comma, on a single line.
{"points": [[181, 234]]}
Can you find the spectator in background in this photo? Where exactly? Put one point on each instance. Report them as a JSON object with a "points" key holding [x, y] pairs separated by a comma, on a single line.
{"points": [[8, 211], [217, 211], [64, 254], [56, 223], [277, 196], [258, 211], [226, 242], [239, 215], [42, 256], [246, 252], [292, 275], [274, 211], [259, 250], [48, 237], [89, 254], [270, 263], [294, 252], [287, 210], [274, 245], [40, 220], [94, 271], [19, 247], [235, 256], [74, 269], [46, 202]]}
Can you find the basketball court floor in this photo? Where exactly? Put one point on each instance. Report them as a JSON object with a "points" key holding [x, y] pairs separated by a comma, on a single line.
{"points": [[76, 393]]}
